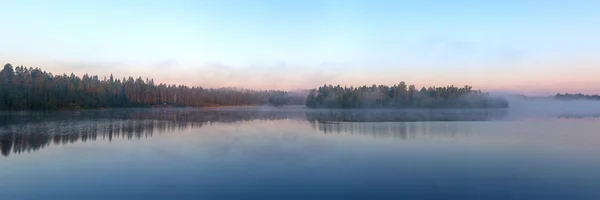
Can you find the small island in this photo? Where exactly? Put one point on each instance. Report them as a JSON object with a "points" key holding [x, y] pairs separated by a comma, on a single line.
{"points": [[401, 96]]}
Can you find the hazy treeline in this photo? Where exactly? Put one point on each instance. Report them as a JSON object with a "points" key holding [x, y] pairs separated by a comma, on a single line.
{"points": [[401, 96], [579, 96], [23, 88]]}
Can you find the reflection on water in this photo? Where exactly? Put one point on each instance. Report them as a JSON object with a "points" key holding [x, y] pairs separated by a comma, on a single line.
{"points": [[577, 116], [32, 131], [183, 115], [295, 153], [34, 136], [412, 115], [399, 130]]}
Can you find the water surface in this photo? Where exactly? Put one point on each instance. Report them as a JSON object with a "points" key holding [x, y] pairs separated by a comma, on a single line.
{"points": [[295, 153]]}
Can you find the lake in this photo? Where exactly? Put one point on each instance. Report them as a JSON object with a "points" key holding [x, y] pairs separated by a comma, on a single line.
{"points": [[297, 153]]}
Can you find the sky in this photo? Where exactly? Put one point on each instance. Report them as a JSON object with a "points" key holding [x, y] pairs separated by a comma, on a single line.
{"points": [[525, 46]]}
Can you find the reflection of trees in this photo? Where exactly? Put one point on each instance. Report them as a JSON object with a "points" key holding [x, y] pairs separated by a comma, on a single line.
{"points": [[190, 115], [405, 115], [26, 132], [400, 130], [577, 116], [402, 124], [35, 136], [32, 131]]}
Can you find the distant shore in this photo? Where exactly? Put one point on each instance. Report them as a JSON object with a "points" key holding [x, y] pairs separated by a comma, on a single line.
{"points": [[401, 96]]}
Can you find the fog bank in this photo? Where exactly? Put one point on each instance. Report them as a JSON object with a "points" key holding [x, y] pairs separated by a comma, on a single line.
{"points": [[520, 106]]}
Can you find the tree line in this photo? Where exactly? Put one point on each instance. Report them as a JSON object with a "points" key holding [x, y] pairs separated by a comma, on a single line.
{"points": [[579, 96], [401, 96], [23, 88]]}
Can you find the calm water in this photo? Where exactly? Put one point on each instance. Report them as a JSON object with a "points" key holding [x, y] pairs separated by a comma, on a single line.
{"points": [[294, 153]]}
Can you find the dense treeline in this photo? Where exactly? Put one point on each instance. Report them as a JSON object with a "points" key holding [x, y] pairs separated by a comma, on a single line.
{"points": [[401, 96], [579, 96], [23, 88]]}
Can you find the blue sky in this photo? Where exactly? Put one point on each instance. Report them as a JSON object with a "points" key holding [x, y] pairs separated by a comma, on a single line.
{"points": [[526, 46]]}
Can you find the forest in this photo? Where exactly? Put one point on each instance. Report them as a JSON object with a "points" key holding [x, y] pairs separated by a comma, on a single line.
{"points": [[401, 96], [23, 88]]}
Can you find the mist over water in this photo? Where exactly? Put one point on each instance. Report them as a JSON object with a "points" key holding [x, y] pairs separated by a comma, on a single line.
{"points": [[300, 153], [544, 107]]}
